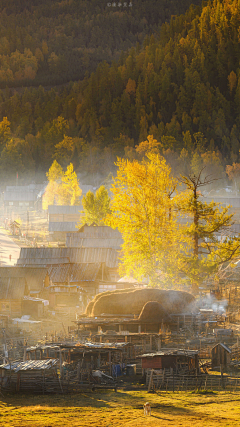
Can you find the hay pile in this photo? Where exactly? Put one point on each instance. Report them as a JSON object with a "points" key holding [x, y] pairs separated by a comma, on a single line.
{"points": [[88, 311], [129, 301], [153, 312]]}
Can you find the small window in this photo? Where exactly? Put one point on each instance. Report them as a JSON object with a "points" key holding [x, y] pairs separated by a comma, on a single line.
{"points": [[10, 203], [26, 203]]}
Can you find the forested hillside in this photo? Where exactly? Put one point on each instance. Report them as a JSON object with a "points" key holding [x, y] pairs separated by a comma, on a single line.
{"points": [[51, 42], [182, 87]]}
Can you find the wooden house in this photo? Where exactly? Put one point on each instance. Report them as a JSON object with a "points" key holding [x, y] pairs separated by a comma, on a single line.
{"points": [[12, 291], [174, 359], [95, 236], [36, 278], [220, 355], [44, 257], [21, 197], [62, 219], [74, 284]]}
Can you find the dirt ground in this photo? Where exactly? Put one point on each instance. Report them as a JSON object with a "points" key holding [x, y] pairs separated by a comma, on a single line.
{"points": [[124, 408]]}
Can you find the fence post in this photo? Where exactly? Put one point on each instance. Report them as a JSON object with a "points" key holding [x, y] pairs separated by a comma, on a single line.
{"points": [[206, 382]]}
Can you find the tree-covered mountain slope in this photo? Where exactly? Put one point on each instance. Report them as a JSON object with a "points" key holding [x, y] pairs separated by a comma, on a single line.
{"points": [[182, 87], [52, 42]]}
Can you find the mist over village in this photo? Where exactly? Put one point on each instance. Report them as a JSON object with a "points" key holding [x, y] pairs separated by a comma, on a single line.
{"points": [[119, 213]]}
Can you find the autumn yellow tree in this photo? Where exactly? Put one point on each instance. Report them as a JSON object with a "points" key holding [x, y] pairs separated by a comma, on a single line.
{"points": [[96, 207], [63, 187], [69, 189], [51, 194], [64, 150], [143, 211]]}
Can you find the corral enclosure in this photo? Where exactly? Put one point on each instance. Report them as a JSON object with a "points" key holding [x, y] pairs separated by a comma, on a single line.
{"points": [[130, 301]]}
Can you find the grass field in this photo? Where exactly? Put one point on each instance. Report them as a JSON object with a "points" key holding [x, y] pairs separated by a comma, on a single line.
{"points": [[124, 408]]}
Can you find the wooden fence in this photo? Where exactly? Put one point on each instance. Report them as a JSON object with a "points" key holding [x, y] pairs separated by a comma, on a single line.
{"points": [[156, 380]]}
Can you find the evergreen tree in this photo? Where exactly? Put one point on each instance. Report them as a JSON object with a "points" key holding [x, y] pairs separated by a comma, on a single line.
{"points": [[205, 238]]}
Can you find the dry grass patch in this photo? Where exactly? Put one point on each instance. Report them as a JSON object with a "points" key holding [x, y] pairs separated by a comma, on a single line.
{"points": [[124, 408]]}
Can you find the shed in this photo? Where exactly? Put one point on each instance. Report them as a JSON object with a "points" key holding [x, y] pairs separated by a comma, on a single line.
{"points": [[12, 290], [15, 227], [35, 278], [221, 355], [176, 359], [85, 357], [67, 281], [30, 376]]}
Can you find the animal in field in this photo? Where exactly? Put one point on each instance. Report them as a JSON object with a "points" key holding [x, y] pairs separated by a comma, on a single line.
{"points": [[147, 408]]}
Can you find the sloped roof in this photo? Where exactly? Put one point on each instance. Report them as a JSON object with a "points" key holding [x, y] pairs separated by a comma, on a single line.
{"points": [[77, 241], [98, 231], [84, 272], [62, 226], [22, 193], [13, 287], [30, 365], [48, 256], [171, 352], [34, 276], [64, 209], [41, 262], [223, 346], [95, 236]]}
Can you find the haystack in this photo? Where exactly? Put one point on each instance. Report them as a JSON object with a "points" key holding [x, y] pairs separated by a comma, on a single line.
{"points": [[88, 311], [153, 312], [128, 301]]}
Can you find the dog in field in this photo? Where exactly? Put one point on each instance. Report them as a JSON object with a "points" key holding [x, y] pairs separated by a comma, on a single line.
{"points": [[147, 408]]}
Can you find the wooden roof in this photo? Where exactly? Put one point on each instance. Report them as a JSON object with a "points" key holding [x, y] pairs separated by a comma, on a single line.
{"points": [[73, 273], [34, 276], [13, 287], [48, 256]]}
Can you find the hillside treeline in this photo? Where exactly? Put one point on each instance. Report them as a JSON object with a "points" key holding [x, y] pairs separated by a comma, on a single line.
{"points": [[51, 42], [182, 87]]}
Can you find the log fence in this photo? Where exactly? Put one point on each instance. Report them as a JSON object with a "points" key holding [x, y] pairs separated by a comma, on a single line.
{"points": [[156, 380]]}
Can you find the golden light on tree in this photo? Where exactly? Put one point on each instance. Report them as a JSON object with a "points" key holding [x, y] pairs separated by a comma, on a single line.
{"points": [[143, 211], [207, 242], [96, 207], [63, 187]]}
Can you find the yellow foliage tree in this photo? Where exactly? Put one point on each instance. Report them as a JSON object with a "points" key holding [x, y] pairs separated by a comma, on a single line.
{"points": [[51, 194], [143, 211], [63, 188], [150, 145], [69, 190]]}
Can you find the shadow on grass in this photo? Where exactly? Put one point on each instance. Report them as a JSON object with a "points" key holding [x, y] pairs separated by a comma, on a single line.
{"points": [[161, 418], [97, 400]]}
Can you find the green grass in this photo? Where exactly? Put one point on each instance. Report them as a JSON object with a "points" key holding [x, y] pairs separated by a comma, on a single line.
{"points": [[124, 408]]}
